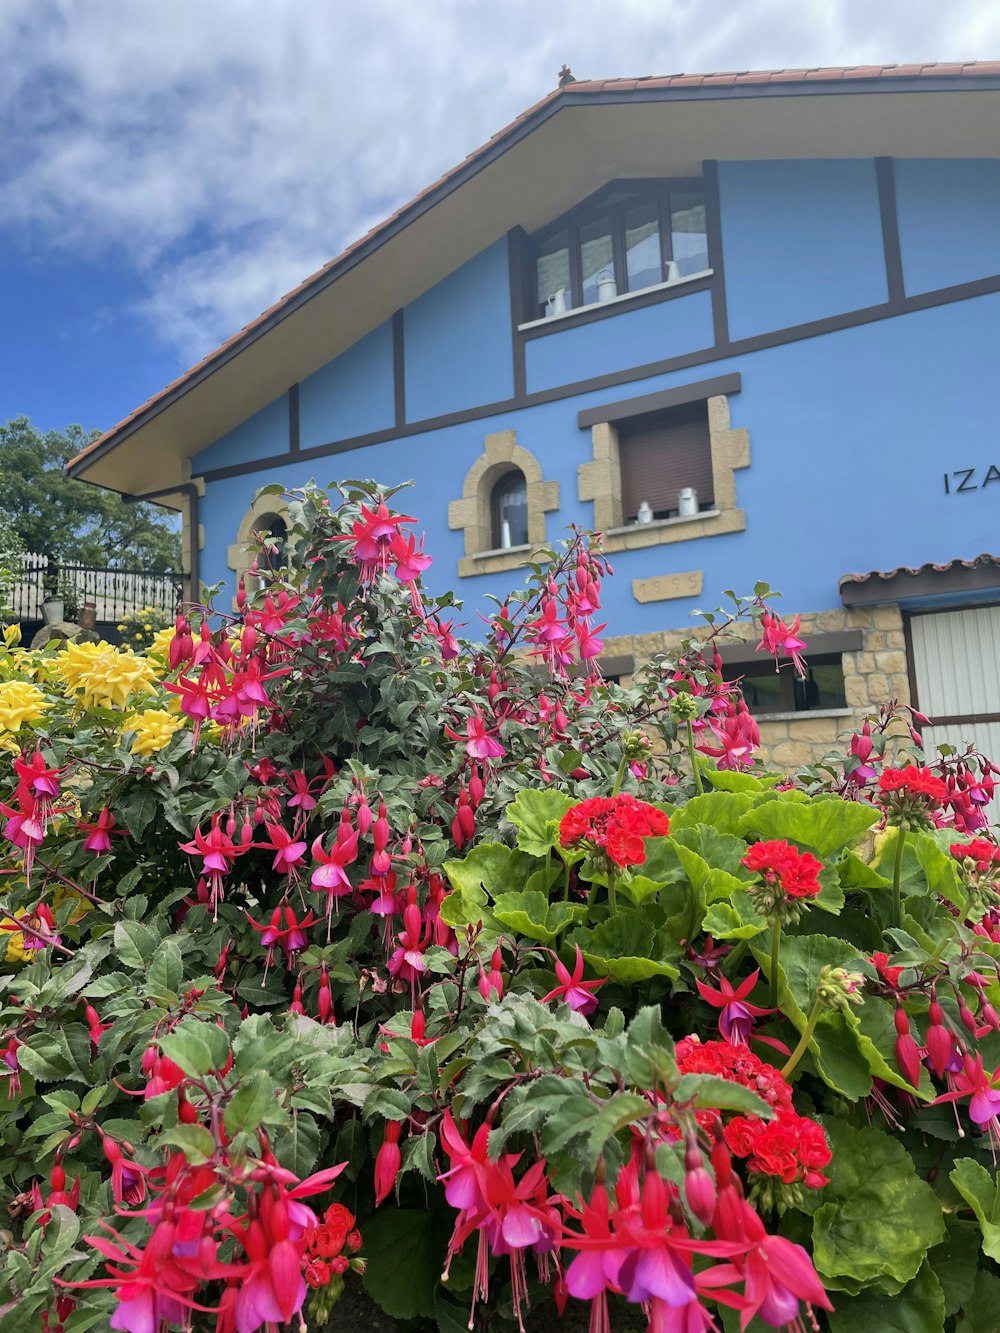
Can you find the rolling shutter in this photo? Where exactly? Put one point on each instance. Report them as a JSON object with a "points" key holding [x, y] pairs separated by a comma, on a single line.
{"points": [[661, 455]]}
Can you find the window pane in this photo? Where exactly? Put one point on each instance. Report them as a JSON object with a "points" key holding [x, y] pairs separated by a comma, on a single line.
{"points": [[687, 233], [552, 274], [642, 246], [823, 687], [512, 511], [597, 257], [763, 693]]}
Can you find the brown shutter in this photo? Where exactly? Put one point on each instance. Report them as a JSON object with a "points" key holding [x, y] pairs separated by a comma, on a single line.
{"points": [[662, 454]]}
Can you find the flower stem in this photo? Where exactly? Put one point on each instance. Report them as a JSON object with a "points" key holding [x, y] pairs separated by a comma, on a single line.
{"points": [[804, 1041], [897, 872], [775, 951], [612, 894], [700, 786], [620, 775]]}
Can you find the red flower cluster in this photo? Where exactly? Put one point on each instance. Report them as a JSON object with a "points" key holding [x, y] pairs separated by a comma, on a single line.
{"points": [[616, 824], [329, 1244], [980, 850], [791, 1146], [736, 1063], [914, 784], [785, 867]]}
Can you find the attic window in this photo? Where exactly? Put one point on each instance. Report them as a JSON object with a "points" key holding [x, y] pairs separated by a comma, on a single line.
{"points": [[628, 237]]}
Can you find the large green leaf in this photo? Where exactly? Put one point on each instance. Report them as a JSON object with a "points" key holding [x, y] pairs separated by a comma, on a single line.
{"points": [[919, 1308], [488, 871], [955, 1262], [536, 815], [627, 949], [876, 1219], [737, 919], [723, 779], [720, 809], [979, 1190], [823, 826], [979, 1312], [405, 1250], [532, 915]]}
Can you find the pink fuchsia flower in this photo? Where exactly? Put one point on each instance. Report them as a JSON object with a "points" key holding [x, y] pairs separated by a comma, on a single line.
{"points": [[291, 938], [576, 992], [288, 851], [218, 852], [442, 631], [780, 641], [98, 839], [41, 780], [387, 1162], [736, 1020], [479, 742], [374, 535], [737, 735]]}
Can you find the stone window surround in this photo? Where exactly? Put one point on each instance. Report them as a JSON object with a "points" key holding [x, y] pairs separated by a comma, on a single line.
{"points": [[239, 556], [600, 479], [473, 516]]}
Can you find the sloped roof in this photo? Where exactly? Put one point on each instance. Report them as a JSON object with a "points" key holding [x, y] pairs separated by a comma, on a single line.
{"points": [[955, 77]]}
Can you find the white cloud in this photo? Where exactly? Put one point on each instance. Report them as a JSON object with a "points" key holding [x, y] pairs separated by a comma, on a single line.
{"points": [[226, 148]]}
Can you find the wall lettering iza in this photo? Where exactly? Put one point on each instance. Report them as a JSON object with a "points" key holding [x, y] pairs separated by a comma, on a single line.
{"points": [[969, 479]]}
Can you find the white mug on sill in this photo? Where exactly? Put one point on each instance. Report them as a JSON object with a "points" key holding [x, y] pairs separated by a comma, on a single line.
{"points": [[673, 270]]}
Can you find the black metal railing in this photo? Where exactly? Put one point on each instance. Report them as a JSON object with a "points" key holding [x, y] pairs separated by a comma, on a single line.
{"points": [[114, 592]]}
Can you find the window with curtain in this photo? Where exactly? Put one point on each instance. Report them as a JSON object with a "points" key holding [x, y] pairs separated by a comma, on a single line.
{"points": [[510, 511], [662, 455]]}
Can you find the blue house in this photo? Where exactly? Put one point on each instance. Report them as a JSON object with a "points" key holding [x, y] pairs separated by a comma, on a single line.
{"points": [[747, 325]]}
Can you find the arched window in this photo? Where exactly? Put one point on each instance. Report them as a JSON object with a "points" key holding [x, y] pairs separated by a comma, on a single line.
{"points": [[274, 530], [510, 511]]}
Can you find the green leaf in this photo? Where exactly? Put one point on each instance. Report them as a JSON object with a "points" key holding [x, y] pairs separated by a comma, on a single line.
{"points": [[722, 810], [616, 1113], [386, 1104], [729, 780], [297, 1147], [166, 971], [137, 810], [250, 1104], [979, 1190], [194, 1141], [405, 1251], [135, 943], [710, 1092], [487, 872], [824, 826], [536, 815], [735, 920], [954, 1263], [627, 949], [649, 1049], [876, 1219], [532, 915], [979, 1313], [919, 1308], [188, 1048]]}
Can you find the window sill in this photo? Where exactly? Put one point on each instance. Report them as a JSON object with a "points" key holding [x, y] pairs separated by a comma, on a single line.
{"points": [[503, 550], [548, 321], [803, 715], [658, 523]]}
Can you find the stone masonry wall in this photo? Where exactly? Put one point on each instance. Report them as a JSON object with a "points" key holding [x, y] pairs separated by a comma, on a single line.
{"points": [[872, 676]]}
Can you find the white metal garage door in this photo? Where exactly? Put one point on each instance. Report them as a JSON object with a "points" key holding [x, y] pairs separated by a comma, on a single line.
{"points": [[956, 665]]}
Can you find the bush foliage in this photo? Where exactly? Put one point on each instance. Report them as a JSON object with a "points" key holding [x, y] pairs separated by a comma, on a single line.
{"points": [[339, 949]]}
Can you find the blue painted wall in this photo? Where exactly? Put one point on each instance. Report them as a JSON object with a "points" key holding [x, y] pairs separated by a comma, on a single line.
{"points": [[351, 396], [621, 341], [851, 432], [457, 345], [949, 221], [260, 436], [801, 240]]}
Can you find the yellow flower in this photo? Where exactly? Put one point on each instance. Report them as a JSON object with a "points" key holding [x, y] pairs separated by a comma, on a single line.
{"points": [[148, 627], [16, 951], [160, 646], [12, 635], [101, 676], [20, 702], [151, 730]]}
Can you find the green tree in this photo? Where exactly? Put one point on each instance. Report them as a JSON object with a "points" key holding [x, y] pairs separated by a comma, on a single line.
{"points": [[73, 520]]}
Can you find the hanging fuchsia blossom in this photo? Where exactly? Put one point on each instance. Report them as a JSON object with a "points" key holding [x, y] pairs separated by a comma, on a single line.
{"points": [[479, 742], [780, 641], [577, 993]]}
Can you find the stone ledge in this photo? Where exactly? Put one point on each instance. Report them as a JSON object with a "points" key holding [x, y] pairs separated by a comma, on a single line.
{"points": [[667, 587]]}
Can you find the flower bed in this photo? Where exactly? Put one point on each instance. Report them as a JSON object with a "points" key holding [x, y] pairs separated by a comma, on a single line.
{"points": [[341, 951]]}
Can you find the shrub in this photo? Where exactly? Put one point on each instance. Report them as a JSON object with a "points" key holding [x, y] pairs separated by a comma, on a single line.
{"points": [[139, 629], [337, 944]]}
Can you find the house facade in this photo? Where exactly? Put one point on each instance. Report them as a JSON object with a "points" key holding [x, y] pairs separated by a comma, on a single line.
{"points": [[747, 326]]}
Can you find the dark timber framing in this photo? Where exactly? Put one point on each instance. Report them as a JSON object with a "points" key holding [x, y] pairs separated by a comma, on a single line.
{"points": [[713, 224], [659, 402], [886, 181], [294, 443], [517, 244], [627, 301], [399, 369], [703, 357]]}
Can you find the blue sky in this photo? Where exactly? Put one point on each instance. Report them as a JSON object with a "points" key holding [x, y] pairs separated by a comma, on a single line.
{"points": [[171, 167]]}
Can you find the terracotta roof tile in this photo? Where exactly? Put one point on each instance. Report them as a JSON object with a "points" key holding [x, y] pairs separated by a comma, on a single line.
{"points": [[977, 562], [748, 78]]}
